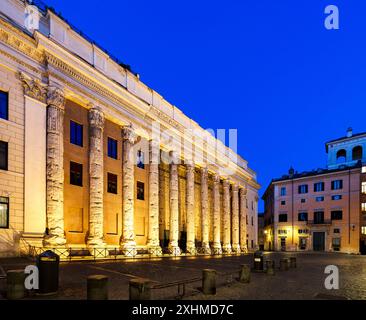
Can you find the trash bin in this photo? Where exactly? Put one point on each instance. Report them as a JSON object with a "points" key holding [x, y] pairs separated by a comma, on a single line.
{"points": [[48, 266], [258, 261]]}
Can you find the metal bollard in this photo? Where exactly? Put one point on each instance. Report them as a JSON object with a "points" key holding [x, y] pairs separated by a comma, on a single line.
{"points": [[244, 275], [284, 264], [15, 289], [293, 262], [270, 264], [209, 281], [97, 287], [140, 289]]}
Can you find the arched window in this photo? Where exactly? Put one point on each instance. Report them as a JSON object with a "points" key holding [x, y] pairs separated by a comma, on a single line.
{"points": [[357, 153], [341, 156]]}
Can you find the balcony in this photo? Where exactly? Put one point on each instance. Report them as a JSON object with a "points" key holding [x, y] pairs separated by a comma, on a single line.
{"points": [[319, 222]]}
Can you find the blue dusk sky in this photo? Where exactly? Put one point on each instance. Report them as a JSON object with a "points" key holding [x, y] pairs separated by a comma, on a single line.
{"points": [[267, 68]]}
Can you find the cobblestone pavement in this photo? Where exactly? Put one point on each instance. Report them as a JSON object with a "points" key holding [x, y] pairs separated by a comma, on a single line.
{"points": [[304, 282]]}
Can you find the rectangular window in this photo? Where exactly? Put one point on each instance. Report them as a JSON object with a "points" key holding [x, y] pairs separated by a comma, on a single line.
{"points": [[363, 206], [319, 217], [282, 217], [336, 215], [112, 183], [283, 202], [283, 191], [364, 169], [252, 221], [337, 197], [140, 190], [252, 243], [4, 213], [303, 200], [363, 230], [337, 184], [76, 133], [336, 244], [246, 219], [303, 188], [3, 155], [140, 160], [336, 230], [4, 105], [319, 199], [76, 174], [363, 187], [112, 148], [303, 216], [319, 187]]}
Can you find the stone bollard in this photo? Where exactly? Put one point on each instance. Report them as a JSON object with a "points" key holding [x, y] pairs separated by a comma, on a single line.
{"points": [[15, 284], [293, 262], [97, 287], [140, 289], [270, 264], [284, 264], [209, 281], [244, 275]]}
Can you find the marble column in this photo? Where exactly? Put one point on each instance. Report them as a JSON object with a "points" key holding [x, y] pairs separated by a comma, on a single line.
{"points": [[226, 241], [243, 220], [55, 235], [96, 178], [128, 243], [205, 212], [174, 206], [216, 216], [153, 227], [235, 219], [191, 248]]}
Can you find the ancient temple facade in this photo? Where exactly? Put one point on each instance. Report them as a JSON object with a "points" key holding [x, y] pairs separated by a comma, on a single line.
{"points": [[91, 157]]}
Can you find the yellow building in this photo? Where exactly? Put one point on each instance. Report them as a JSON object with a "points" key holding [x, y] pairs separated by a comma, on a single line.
{"points": [[91, 158]]}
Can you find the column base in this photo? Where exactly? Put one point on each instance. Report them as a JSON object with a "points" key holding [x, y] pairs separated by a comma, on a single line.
{"points": [[226, 248], [216, 249], [129, 248], [54, 241], [97, 248], [174, 249], [206, 248], [191, 250], [236, 248], [155, 250]]}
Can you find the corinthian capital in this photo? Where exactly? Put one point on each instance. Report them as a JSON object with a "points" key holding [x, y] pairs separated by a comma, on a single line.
{"points": [[128, 133], [243, 191], [33, 88], [216, 178], [96, 117], [56, 97]]}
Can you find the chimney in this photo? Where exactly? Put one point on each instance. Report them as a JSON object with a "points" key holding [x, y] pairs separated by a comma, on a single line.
{"points": [[349, 132]]}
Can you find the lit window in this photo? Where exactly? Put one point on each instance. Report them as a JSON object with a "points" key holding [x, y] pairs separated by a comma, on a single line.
{"points": [[4, 105], [363, 230], [76, 174], [363, 206], [364, 169], [363, 187], [140, 160], [112, 183], [112, 148], [140, 190], [3, 155], [4, 212], [76, 133]]}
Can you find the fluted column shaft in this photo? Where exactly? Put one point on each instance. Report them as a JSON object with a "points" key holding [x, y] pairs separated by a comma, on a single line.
{"points": [[128, 191], [190, 209], [55, 168], [235, 219], [243, 220], [174, 207], [153, 228], [96, 174], [216, 216], [205, 211], [226, 245]]}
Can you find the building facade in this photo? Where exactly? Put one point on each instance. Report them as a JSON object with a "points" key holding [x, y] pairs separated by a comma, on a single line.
{"points": [[90, 157], [320, 210]]}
